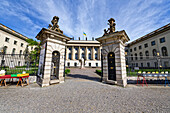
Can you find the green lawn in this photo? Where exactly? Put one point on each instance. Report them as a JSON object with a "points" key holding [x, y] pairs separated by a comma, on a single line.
{"points": [[20, 70]]}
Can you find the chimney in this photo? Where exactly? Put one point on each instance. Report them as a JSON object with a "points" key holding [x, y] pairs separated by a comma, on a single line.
{"points": [[79, 38], [73, 38], [86, 38]]}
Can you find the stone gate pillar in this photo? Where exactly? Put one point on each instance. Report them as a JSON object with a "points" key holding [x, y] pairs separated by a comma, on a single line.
{"points": [[52, 55], [113, 54]]}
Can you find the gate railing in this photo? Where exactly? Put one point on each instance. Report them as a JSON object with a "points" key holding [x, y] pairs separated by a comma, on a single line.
{"points": [[17, 63], [147, 64]]}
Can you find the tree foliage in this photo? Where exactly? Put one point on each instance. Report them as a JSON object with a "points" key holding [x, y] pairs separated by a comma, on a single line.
{"points": [[32, 42]]}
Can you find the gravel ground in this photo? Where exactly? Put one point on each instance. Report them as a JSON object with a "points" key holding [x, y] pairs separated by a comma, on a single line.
{"points": [[85, 94]]}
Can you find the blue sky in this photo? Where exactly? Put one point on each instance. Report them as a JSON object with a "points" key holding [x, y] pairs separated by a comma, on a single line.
{"points": [[136, 17]]}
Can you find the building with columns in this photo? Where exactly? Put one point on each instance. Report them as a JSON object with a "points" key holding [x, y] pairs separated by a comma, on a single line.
{"points": [[151, 50], [88, 50]]}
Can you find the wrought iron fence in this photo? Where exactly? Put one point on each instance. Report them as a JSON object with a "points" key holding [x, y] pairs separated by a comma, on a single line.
{"points": [[135, 64], [17, 63]]}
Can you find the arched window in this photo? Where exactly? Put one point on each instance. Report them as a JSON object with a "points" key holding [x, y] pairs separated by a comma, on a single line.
{"points": [[148, 64], [68, 64], [13, 51], [96, 56], [89, 56], [20, 53], [154, 52], [96, 64], [75, 64], [164, 51], [147, 54], [136, 57], [5, 49], [141, 55]]}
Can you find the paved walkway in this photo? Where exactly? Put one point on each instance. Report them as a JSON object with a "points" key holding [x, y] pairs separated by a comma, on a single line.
{"points": [[84, 74], [82, 93]]}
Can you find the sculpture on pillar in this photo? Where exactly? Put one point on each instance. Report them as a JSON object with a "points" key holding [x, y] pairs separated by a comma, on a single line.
{"points": [[82, 63], [111, 29], [55, 25]]}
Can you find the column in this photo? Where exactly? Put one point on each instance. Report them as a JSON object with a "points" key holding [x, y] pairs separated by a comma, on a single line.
{"points": [[93, 53], [72, 53], [86, 55], [79, 53], [66, 53], [99, 53]]}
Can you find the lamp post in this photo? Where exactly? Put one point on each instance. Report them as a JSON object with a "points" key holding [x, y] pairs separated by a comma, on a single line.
{"points": [[3, 53], [127, 63], [158, 59]]}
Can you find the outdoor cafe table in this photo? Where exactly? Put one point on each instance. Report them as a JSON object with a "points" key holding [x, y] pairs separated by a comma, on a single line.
{"points": [[152, 75], [19, 76]]}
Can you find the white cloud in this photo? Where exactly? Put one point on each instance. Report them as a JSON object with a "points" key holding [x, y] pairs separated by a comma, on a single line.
{"points": [[136, 17]]}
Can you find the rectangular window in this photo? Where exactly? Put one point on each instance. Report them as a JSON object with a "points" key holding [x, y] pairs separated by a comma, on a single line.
{"points": [[135, 49], [146, 45], [162, 40], [140, 47], [15, 42], [69, 48], [19, 63], [76, 49], [6, 39], [83, 49], [22, 44], [153, 43], [96, 57], [76, 56], [69, 56], [126, 50], [141, 64], [156, 64]]}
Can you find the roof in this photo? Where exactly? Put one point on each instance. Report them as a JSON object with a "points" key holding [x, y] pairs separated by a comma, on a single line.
{"points": [[150, 35], [13, 32], [83, 42], [116, 33], [53, 32]]}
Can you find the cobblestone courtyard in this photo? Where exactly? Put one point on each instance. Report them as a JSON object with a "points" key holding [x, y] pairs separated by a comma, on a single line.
{"points": [[84, 93]]}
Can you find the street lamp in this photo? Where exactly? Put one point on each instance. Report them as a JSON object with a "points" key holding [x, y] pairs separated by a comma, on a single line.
{"points": [[158, 59]]}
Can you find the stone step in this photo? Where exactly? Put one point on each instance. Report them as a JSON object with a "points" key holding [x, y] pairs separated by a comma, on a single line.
{"points": [[54, 81]]}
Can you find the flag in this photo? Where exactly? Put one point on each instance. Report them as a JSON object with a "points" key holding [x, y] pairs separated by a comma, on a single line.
{"points": [[84, 33]]}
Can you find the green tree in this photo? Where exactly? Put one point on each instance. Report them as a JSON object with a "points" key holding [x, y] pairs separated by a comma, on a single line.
{"points": [[32, 56]]}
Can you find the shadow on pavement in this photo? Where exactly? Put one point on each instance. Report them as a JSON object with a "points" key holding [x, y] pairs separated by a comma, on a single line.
{"points": [[148, 81], [98, 79]]}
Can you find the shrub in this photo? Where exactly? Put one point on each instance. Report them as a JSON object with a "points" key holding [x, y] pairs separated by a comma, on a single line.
{"points": [[98, 72], [67, 71]]}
